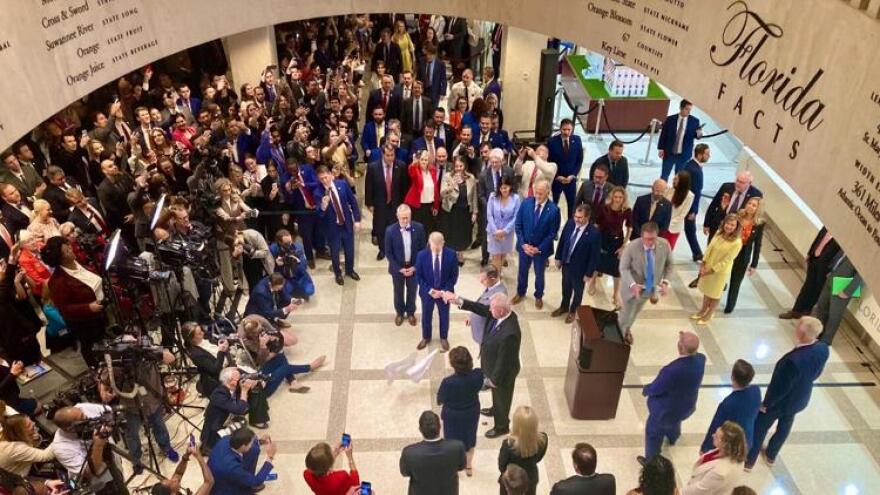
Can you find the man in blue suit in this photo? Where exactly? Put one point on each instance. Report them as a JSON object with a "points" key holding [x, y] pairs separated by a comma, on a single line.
{"points": [[567, 152], [672, 396], [265, 300], [403, 242], [233, 462], [340, 217], [653, 207], [374, 131], [432, 73], [789, 390], [576, 255], [490, 84], [298, 184], [429, 141], [240, 142], [537, 223], [270, 146], [740, 406], [437, 272], [677, 139], [188, 104], [694, 167]]}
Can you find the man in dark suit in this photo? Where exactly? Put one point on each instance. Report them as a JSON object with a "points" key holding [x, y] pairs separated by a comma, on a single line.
{"points": [[652, 207], [585, 481], [222, 402], [789, 390], [265, 300], [730, 198], [819, 260], [241, 142], [341, 218], [23, 177], [441, 129], [740, 406], [831, 306], [593, 192], [436, 272], [416, 110], [403, 241], [499, 355], [567, 152], [72, 158], [56, 187], [487, 183], [428, 142], [386, 97], [455, 38], [694, 168], [484, 134], [86, 214], [432, 465], [537, 223], [16, 210], [618, 166], [672, 396], [374, 131], [677, 139], [576, 255], [388, 52], [187, 104], [113, 194], [432, 73], [384, 187], [298, 183], [490, 84], [233, 462]]}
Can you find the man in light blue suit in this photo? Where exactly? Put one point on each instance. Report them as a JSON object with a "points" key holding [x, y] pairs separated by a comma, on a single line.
{"points": [[437, 272], [789, 390], [403, 242], [491, 280], [537, 223]]}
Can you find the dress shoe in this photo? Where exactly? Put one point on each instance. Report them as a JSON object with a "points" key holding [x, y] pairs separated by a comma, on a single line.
{"points": [[767, 460], [475, 245], [422, 344], [412, 320], [374, 240], [539, 303], [497, 432], [323, 255], [641, 459], [312, 264], [484, 262], [790, 315], [380, 256], [282, 324], [340, 280], [517, 299], [487, 411], [569, 318], [353, 275], [398, 320], [558, 312], [260, 426], [444, 344], [698, 258]]}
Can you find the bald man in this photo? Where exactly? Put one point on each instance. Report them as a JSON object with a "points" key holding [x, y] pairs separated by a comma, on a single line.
{"points": [[652, 207], [672, 396], [730, 198]]}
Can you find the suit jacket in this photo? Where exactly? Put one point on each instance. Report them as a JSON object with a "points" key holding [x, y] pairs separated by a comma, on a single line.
{"points": [[478, 322], [570, 163], [715, 213], [791, 385], [247, 143], [632, 264], [394, 249], [262, 301], [695, 170], [13, 218], [57, 200], [587, 190], [390, 54], [432, 467], [392, 108], [719, 475], [28, 186], [235, 474], [407, 114], [416, 182], [435, 83], [369, 140], [425, 271], [741, 407], [499, 350], [586, 250], [524, 170], [672, 396], [445, 133], [495, 139], [83, 222], [493, 87], [641, 214], [420, 144], [666, 142], [618, 171], [542, 234], [209, 368], [486, 183], [449, 192], [828, 253], [221, 403], [374, 183], [296, 198], [114, 199], [597, 484], [752, 247], [351, 213]]}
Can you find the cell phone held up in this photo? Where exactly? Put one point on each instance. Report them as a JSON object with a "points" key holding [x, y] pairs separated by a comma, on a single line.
{"points": [[366, 488], [346, 440]]}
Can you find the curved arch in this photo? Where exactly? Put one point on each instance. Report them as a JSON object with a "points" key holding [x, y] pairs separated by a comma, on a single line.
{"points": [[785, 63]]}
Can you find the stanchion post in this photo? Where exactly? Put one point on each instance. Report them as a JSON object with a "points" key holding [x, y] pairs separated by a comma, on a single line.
{"points": [[600, 107], [647, 160]]}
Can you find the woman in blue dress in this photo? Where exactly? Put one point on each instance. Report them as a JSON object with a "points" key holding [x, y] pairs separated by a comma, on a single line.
{"points": [[291, 262], [459, 396], [501, 220]]}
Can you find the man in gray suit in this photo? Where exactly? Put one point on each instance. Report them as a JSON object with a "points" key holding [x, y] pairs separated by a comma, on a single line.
{"points": [[830, 308], [432, 465], [645, 266], [491, 280], [595, 191], [23, 177]]}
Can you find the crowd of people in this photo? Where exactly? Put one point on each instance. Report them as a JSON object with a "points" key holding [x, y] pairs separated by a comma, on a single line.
{"points": [[241, 191]]}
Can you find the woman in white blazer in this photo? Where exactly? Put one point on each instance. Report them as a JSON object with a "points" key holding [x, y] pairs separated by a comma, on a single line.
{"points": [[718, 471], [682, 198]]}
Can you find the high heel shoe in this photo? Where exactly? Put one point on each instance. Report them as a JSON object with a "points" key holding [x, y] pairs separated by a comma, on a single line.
{"points": [[705, 320], [697, 316]]}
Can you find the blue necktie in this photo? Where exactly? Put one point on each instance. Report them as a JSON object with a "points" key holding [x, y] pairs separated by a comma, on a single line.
{"points": [[436, 271], [537, 215], [493, 326], [649, 271], [571, 243]]}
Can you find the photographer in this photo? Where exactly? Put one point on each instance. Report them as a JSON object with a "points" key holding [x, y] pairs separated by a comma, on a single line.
{"points": [[233, 462], [236, 236], [223, 403], [143, 379], [171, 486], [291, 262], [267, 345], [267, 300], [87, 466]]}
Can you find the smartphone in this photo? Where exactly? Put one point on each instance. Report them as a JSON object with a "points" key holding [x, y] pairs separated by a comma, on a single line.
{"points": [[192, 440], [272, 477], [366, 488], [346, 439]]}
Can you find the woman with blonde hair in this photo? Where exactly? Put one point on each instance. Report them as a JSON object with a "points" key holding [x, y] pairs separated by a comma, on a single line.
{"points": [[717, 263], [525, 446], [458, 194], [746, 262], [43, 225], [614, 219], [18, 445], [407, 47], [423, 196], [718, 471]]}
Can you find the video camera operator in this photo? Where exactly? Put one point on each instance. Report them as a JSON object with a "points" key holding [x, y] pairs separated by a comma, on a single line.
{"points": [[136, 373], [291, 262], [198, 259], [93, 466], [171, 486]]}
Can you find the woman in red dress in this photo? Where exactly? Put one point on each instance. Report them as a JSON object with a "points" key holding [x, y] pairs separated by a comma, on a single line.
{"points": [[319, 474]]}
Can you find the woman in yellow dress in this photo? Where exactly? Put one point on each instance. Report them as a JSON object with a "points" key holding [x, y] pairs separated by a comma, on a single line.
{"points": [[717, 263], [407, 47]]}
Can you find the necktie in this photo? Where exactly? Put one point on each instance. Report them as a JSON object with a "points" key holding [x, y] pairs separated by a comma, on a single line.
{"points": [[840, 257], [652, 210], [340, 220], [679, 135], [417, 120], [597, 194], [571, 243], [306, 193], [821, 247], [531, 192], [436, 271], [497, 179], [734, 201], [429, 75], [97, 216], [565, 146], [385, 100], [537, 214], [649, 271], [493, 326], [388, 184], [466, 98]]}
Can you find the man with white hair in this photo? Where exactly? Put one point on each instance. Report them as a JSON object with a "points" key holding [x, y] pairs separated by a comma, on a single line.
{"points": [[537, 223], [436, 272], [488, 183], [789, 390], [730, 198], [403, 241], [224, 401], [499, 354]]}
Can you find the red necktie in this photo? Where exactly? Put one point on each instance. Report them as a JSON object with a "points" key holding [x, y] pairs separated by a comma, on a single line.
{"points": [[340, 219], [531, 191], [97, 216], [384, 100], [597, 195], [306, 193]]}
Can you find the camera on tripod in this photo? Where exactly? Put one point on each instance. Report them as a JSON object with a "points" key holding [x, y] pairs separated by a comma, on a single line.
{"points": [[129, 349], [104, 425]]}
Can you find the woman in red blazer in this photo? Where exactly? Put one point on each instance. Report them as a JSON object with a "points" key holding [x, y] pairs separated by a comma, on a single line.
{"points": [[75, 292], [36, 271], [423, 196], [319, 474]]}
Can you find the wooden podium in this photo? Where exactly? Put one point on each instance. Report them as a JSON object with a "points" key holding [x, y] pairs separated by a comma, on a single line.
{"points": [[597, 361]]}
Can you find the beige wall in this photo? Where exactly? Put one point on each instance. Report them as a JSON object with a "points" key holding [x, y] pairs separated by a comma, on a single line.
{"points": [[520, 73], [249, 53]]}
